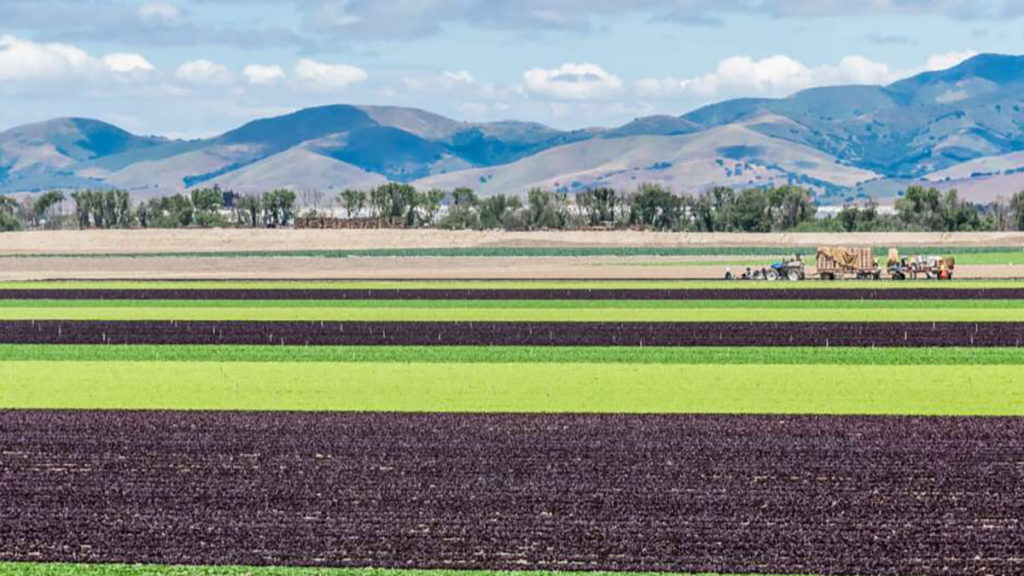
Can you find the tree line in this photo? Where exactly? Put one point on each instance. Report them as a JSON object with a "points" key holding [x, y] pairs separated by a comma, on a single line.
{"points": [[200, 208], [649, 206]]}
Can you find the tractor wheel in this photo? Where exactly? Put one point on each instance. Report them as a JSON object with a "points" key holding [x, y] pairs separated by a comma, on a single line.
{"points": [[772, 275], [795, 275]]}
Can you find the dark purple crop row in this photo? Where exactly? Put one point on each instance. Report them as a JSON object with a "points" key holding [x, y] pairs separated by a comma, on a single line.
{"points": [[525, 294], [867, 334], [741, 494]]}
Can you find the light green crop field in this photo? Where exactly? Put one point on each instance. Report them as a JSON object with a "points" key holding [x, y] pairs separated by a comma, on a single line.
{"points": [[579, 312], [23, 569], [978, 390], [516, 354], [498, 284], [748, 304]]}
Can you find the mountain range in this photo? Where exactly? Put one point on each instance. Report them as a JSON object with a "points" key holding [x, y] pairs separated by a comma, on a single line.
{"points": [[962, 127]]}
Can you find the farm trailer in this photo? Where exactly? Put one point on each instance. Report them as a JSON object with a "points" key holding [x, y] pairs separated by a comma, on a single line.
{"points": [[839, 262]]}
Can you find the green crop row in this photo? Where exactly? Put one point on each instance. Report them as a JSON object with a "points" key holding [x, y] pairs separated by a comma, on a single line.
{"points": [[938, 306], [516, 354], [941, 390]]}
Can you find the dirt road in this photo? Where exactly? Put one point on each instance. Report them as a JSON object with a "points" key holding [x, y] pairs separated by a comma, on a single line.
{"points": [[215, 240]]}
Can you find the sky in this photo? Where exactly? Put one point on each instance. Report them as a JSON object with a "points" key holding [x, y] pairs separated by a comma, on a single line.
{"points": [[195, 68]]}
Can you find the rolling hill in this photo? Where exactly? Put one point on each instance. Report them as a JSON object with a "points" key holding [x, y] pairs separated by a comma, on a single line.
{"points": [[963, 126]]}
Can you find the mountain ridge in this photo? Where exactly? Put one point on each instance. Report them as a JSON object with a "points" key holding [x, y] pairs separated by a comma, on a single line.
{"points": [[821, 137]]}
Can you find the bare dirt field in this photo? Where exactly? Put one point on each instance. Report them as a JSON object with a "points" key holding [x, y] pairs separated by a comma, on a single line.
{"points": [[372, 268], [393, 268], [216, 240], [94, 254]]}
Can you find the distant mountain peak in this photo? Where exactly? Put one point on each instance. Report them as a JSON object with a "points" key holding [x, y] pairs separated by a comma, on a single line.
{"points": [[999, 69], [825, 138]]}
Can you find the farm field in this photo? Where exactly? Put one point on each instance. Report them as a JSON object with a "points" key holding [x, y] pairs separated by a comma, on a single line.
{"points": [[521, 387], [525, 427], [439, 255], [420, 267], [26, 569]]}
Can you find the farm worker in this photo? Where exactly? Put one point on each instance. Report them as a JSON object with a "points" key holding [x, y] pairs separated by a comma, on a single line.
{"points": [[894, 257]]}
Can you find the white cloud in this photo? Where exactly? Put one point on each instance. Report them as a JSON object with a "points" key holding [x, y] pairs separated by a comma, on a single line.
{"points": [[776, 75], [780, 75], [658, 87], [462, 76], [125, 63], [23, 60], [159, 13], [572, 82], [26, 62], [446, 81], [203, 72], [947, 60], [260, 74], [323, 76]]}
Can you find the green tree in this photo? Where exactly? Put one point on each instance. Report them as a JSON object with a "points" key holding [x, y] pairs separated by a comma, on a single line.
{"points": [[462, 214], [103, 208], [711, 211], [248, 211], [544, 209], [788, 207], [207, 203], [655, 207], [750, 212], [464, 197], [167, 212], [82, 208], [44, 205], [1017, 211], [431, 201], [353, 201], [207, 199], [500, 211], [8, 222], [278, 207], [598, 205], [921, 208]]}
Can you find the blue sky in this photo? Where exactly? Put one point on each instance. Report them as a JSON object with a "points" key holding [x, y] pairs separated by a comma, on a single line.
{"points": [[190, 68]]}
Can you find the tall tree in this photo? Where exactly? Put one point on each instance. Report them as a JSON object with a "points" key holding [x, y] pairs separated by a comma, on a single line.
{"points": [[8, 223], [353, 201], [545, 209], [278, 207], [45, 204], [431, 201], [248, 211], [1017, 211], [653, 206]]}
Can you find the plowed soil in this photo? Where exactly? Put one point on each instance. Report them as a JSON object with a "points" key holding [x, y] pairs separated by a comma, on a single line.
{"points": [[743, 494], [775, 334]]}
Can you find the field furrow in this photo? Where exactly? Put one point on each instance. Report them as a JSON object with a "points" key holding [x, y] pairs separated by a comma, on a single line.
{"points": [[761, 334], [744, 494]]}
